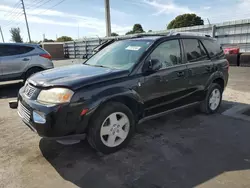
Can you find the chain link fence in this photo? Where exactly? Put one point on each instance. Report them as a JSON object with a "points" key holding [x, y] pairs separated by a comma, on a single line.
{"points": [[228, 34]]}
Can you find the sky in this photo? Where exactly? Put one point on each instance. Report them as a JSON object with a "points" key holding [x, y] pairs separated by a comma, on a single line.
{"points": [[86, 18]]}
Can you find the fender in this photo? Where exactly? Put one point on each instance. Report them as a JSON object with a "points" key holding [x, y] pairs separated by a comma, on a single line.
{"points": [[96, 100], [213, 77], [116, 94]]}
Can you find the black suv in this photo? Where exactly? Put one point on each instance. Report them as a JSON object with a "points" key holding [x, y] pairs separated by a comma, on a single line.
{"points": [[125, 83]]}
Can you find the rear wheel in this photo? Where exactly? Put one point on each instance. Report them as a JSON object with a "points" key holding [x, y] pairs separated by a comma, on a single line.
{"points": [[111, 128], [32, 71], [213, 99]]}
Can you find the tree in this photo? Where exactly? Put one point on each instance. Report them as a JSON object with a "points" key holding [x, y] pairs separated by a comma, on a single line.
{"points": [[149, 31], [48, 40], [16, 34], [64, 39], [137, 28], [114, 34], [129, 33], [185, 20]]}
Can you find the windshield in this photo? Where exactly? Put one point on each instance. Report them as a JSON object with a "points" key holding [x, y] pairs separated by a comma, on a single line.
{"points": [[120, 55]]}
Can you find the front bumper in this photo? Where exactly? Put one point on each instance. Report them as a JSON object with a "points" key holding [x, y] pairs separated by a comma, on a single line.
{"points": [[62, 121]]}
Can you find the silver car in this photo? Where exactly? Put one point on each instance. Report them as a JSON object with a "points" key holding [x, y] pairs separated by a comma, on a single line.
{"points": [[20, 61]]}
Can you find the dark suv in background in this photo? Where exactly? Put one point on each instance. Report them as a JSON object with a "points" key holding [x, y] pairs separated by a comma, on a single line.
{"points": [[125, 83]]}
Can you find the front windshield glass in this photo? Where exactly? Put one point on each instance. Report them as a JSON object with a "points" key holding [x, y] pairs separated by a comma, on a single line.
{"points": [[120, 55]]}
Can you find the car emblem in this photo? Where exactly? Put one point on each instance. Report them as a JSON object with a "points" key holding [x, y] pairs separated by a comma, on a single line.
{"points": [[27, 90]]}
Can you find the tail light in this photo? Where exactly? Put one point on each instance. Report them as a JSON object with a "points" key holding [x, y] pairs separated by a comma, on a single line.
{"points": [[47, 56]]}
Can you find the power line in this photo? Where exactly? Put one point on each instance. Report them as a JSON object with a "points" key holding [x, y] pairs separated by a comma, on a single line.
{"points": [[14, 14], [33, 3], [14, 19], [60, 2], [38, 6], [14, 10], [14, 7]]}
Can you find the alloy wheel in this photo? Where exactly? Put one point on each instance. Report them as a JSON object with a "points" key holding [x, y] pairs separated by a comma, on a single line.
{"points": [[214, 99], [115, 129]]}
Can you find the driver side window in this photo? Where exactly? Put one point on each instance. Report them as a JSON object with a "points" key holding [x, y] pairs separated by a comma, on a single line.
{"points": [[168, 53]]}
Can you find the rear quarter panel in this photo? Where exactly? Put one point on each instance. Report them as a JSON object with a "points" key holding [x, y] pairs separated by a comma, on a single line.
{"points": [[221, 71], [41, 62]]}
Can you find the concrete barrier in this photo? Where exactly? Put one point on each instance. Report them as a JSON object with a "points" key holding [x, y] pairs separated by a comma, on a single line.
{"points": [[233, 59], [245, 60], [55, 49]]}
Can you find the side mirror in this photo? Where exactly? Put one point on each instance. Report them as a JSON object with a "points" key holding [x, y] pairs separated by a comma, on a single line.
{"points": [[154, 65]]}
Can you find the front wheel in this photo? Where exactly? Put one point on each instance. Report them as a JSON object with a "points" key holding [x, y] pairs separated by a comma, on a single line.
{"points": [[111, 127], [213, 99]]}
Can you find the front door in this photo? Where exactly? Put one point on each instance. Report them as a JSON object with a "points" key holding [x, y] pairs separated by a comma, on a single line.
{"points": [[200, 68], [166, 88]]}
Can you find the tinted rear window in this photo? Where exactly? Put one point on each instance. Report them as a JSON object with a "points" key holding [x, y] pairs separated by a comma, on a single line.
{"points": [[213, 48], [9, 50], [194, 50]]}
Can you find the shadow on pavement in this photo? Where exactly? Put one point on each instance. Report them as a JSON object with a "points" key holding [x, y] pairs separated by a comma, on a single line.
{"points": [[10, 90], [184, 149]]}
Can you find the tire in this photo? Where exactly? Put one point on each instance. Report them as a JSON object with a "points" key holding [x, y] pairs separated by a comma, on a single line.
{"points": [[100, 136], [206, 105], [32, 71]]}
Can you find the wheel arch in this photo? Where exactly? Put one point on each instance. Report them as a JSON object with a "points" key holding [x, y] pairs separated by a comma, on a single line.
{"points": [[30, 68], [128, 97], [218, 78], [220, 81], [135, 106]]}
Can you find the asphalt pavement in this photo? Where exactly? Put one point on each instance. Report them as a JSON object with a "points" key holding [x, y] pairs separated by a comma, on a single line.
{"points": [[184, 149]]}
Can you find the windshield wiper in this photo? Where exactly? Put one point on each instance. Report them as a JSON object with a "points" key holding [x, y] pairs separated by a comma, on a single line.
{"points": [[96, 65]]}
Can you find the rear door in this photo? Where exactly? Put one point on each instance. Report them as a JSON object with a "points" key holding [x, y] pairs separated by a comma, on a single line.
{"points": [[200, 67], [14, 59], [166, 88]]}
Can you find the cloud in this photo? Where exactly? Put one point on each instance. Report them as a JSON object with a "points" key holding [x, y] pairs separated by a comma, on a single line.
{"points": [[166, 7], [37, 16], [114, 12], [227, 12], [206, 8]]}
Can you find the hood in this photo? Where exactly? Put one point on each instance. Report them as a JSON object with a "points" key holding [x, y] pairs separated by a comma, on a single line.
{"points": [[74, 76]]}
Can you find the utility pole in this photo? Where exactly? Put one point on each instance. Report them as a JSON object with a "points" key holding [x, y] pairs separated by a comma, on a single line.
{"points": [[208, 21], [27, 25], [1, 33], [107, 16]]}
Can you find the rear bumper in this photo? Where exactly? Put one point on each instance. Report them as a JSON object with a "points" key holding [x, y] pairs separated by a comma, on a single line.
{"points": [[62, 121]]}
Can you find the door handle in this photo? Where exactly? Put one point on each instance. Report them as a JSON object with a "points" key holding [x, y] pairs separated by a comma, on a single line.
{"points": [[164, 79], [25, 59], [180, 74], [209, 68]]}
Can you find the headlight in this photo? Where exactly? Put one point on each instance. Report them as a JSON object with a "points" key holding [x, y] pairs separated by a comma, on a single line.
{"points": [[55, 95]]}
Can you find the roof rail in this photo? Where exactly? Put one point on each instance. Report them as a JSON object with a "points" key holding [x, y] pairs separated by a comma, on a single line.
{"points": [[188, 34], [147, 35]]}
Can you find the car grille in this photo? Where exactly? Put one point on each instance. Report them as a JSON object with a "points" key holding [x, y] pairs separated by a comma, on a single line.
{"points": [[23, 112], [29, 90]]}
